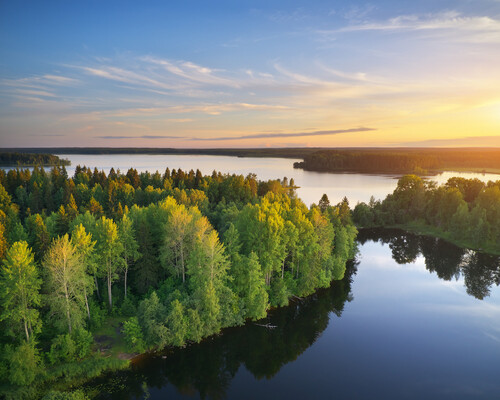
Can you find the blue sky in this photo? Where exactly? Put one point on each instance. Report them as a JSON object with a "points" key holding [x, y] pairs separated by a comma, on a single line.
{"points": [[249, 74]]}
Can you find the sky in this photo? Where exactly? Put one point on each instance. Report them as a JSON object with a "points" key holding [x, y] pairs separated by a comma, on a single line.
{"points": [[226, 74]]}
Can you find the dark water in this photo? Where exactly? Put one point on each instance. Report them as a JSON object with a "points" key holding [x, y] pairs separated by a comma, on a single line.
{"points": [[415, 318]]}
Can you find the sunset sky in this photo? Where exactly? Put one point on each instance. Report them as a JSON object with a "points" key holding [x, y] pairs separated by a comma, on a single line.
{"points": [[249, 73]]}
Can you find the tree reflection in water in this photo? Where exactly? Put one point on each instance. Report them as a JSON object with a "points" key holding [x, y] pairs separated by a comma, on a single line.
{"points": [[479, 271], [208, 368]]}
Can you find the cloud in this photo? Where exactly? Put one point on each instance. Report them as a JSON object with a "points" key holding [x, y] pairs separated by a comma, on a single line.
{"points": [[470, 141], [191, 72], [210, 109], [139, 137], [126, 76], [475, 29], [283, 135]]}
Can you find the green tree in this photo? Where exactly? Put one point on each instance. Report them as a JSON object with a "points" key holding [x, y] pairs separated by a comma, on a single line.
{"points": [[178, 241], [133, 335], [109, 252], [24, 364], [255, 296], [67, 282], [151, 315], [130, 246], [84, 246], [38, 236], [176, 324], [20, 292], [324, 203]]}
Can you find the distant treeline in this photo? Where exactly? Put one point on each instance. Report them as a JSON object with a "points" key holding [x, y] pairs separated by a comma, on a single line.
{"points": [[25, 159], [466, 211], [257, 152], [400, 160]]}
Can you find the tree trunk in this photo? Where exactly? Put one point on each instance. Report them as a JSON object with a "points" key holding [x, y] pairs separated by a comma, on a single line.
{"points": [[110, 299], [182, 265], [68, 315], [86, 302], [97, 288], [26, 330], [126, 271]]}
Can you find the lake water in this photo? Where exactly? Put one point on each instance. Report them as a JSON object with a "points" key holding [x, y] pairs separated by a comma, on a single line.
{"points": [[356, 187], [415, 318]]}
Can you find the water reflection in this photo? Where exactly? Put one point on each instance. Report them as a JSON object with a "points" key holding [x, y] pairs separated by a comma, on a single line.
{"points": [[207, 369], [479, 271]]}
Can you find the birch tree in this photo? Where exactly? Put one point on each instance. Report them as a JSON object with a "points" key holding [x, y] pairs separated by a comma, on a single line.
{"points": [[20, 292]]}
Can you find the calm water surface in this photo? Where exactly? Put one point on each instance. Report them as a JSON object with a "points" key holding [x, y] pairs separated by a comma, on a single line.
{"points": [[357, 187], [415, 318]]}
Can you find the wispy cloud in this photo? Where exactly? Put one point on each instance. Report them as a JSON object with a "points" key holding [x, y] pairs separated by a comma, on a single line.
{"points": [[126, 76], [451, 23], [289, 134], [139, 137], [191, 72]]}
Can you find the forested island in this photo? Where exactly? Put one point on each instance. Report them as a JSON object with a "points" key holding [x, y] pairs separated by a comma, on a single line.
{"points": [[97, 268], [402, 161], [22, 158], [464, 211]]}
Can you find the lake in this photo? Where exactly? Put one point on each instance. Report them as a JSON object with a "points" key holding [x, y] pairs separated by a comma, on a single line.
{"points": [[414, 318], [356, 187]]}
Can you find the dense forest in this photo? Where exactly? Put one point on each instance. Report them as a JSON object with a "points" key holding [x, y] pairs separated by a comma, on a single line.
{"points": [[165, 259], [397, 161], [466, 211], [8, 158]]}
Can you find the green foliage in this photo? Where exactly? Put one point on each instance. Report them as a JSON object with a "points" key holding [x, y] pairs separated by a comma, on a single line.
{"points": [[151, 316], [133, 335], [176, 324], [67, 284], [20, 292], [83, 341], [23, 363], [63, 349], [55, 395], [194, 326], [98, 315], [254, 292]]}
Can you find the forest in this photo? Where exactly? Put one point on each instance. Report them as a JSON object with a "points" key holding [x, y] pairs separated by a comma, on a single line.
{"points": [[401, 161], [464, 211], [22, 158], [99, 267]]}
